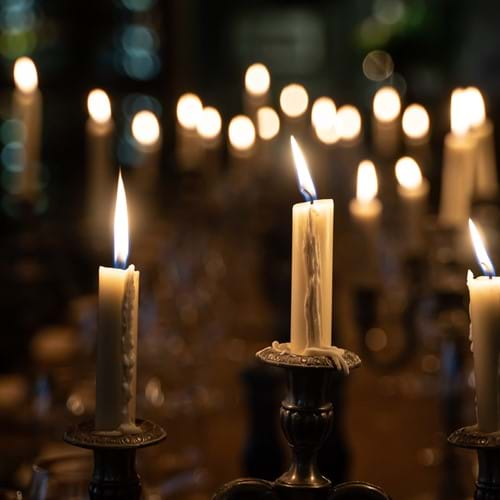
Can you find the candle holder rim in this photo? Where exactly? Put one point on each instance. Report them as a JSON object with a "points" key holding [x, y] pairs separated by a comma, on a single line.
{"points": [[284, 359], [84, 435], [471, 437]]}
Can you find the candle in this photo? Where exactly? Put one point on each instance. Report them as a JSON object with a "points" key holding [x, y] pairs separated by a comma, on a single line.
{"points": [[241, 134], [366, 205], [458, 166], [416, 125], [99, 136], [268, 127], [209, 128], [485, 178], [188, 149], [257, 85], [27, 108], [484, 327], [386, 111], [117, 333], [413, 190], [349, 124], [323, 120], [294, 102]]}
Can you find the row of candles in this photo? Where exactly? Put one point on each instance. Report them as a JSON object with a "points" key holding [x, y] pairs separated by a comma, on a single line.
{"points": [[469, 163]]}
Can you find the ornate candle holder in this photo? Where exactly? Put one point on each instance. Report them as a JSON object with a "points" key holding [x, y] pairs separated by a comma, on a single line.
{"points": [[306, 418], [487, 446], [115, 476]]}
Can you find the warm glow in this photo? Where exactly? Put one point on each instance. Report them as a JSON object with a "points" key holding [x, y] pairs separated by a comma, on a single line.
{"points": [[189, 109], [367, 182], [416, 121], [294, 100], [348, 122], [25, 75], [408, 173], [268, 123], [210, 123], [323, 113], [99, 106], [306, 184], [475, 106], [327, 135], [121, 225], [257, 79], [481, 254], [459, 112], [386, 104], [241, 133], [145, 128]]}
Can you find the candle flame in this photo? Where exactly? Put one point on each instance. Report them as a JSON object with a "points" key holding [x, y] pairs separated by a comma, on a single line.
{"points": [[416, 121], [476, 107], [386, 104], [323, 113], [294, 100], [99, 106], [367, 182], [209, 124], [348, 122], [189, 109], [306, 184], [408, 173], [268, 123], [241, 133], [459, 120], [145, 128], [121, 226], [25, 75], [481, 255], [257, 79]]}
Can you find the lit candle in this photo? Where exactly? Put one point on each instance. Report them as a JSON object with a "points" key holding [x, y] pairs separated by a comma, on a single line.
{"points": [[209, 128], [413, 190], [294, 102], [268, 127], [366, 205], [116, 372], [349, 124], [484, 328], [147, 134], [324, 120], [99, 135], [485, 179], [386, 112], [257, 85], [458, 166], [27, 108], [416, 125], [241, 134], [188, 149]]}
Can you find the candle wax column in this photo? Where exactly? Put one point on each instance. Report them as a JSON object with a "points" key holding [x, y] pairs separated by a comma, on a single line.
{"points": [[312, 269], [486, 181]]}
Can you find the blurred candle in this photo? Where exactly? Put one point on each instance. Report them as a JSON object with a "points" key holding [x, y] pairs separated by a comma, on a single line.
{"points": [[484, 313], [188, 148], [323, 120], [209, 128], [485, 178], [241, 133], [413, 190], [268, 127], [27, 108], [366, 205], [458, 165], [257, 86], [349, 124], [99, 165], [294, 102], [116, 372], [416, 125], [312, 264], [386, 112]]}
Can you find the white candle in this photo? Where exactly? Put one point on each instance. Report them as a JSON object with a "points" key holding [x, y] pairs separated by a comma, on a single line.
{"points": [[294, 102], [116, 372], [99, 165], [366, 205], [257, 86], [209, 128], [413, 190], [416, 126], [485, 335], [27, 108], [312, 265], [485, 176], [386, 128], [241, 135], [188, 149], [458, 166], [324, 120], [268, 127]]}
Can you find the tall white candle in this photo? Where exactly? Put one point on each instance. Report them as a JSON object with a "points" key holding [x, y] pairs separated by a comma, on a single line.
{"points": [[116, 372], [386, 125], [458, 166], [485, 335], [27, 108], [257, 86], [188, 148]]}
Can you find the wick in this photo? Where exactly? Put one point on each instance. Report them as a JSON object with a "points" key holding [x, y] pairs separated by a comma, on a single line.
{"points": [[489, 271], [308, 195]]}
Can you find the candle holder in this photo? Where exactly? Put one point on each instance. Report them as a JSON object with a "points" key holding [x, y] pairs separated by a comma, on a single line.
{"points": [[115, 476], [487, 446], [306, 416]]}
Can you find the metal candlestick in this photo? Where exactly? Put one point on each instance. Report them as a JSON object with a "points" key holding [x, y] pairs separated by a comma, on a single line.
{"points": [[487, 446], [306, 418], [114, 476]]}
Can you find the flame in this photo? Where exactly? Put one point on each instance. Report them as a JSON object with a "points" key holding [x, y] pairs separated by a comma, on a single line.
{"points": [[323, 113], [348, 122], [408, 173], [99, 106], [367, 182], [268, 123], [386, 104], [416, 121], [294, 100], [481, 254], [475, 106], [210, 123], [145, 128], [459, 120], [306, 184], [25, 75], [189, 108], [241, 133], [257, 79], [121, 226]]}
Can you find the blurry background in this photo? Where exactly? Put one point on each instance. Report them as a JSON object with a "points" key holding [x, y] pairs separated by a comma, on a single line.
{"points": [[212, 241]]}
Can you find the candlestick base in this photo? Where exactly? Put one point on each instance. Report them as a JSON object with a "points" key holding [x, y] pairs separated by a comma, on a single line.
{"points": [[487, 446], [306, 418], [115, 476]]}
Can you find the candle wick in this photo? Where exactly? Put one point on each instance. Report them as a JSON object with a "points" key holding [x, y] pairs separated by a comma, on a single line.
{"points": [[308, 195]]}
